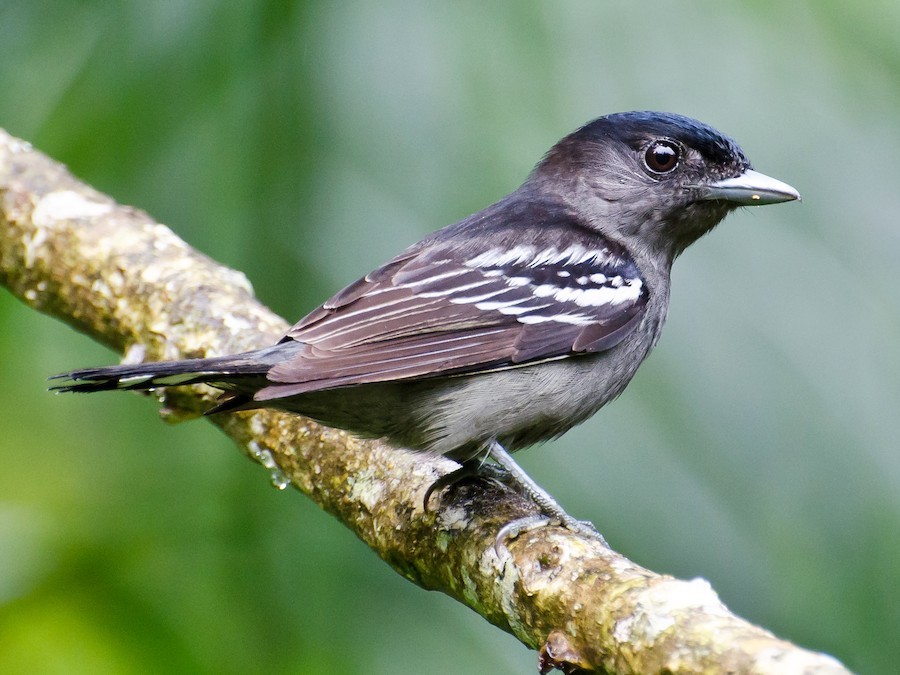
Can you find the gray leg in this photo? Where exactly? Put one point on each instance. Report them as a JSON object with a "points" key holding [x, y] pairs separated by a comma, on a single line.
{"points": [[549, 506]]}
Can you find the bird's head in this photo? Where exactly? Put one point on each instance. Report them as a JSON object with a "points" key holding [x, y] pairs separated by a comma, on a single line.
{"points": [[657, 181]]}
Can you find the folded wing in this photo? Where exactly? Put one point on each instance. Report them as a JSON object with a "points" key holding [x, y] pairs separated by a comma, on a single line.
{"points": [[444, 310]]}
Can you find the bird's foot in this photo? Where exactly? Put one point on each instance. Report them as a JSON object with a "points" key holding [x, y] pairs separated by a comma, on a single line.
{"points": [[519, 526], [551, 512], [506, 471]]}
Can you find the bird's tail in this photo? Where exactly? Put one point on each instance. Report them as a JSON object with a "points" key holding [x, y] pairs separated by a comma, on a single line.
{"points": [[232, 373]]}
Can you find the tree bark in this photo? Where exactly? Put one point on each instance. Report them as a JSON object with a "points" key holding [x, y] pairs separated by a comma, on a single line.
{"points": [[115, 274]]}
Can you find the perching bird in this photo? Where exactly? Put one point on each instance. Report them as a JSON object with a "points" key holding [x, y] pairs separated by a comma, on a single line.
{"points": [[511, 326]]}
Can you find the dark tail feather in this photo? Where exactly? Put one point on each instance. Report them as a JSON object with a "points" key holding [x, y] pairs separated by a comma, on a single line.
{"points": [[151, 375], [232, 373]]}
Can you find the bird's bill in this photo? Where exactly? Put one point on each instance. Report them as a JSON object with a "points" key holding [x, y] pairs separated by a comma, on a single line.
{"points": [[751, 188]]}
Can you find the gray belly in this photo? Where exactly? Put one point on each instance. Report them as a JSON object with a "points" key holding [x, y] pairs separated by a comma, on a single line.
{"points": [[454, 416]]}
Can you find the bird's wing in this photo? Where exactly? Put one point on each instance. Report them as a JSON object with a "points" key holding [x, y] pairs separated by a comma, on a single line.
{"points": [[441, 310]]}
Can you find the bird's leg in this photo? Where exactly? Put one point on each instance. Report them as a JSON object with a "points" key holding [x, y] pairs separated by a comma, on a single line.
{"points": [[523, 483], [506, 471]]}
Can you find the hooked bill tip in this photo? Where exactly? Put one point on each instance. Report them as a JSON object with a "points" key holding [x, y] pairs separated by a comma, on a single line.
{"points": [[751, 188]]}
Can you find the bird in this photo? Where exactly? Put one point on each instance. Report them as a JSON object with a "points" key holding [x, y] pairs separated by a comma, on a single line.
{"points": [[509, 327]]}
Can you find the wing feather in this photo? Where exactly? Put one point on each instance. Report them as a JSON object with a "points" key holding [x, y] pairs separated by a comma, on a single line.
{"points": [[443, 309]]}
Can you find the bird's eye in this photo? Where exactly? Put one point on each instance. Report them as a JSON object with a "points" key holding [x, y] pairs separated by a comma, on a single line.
{"points": [[662, 156]]}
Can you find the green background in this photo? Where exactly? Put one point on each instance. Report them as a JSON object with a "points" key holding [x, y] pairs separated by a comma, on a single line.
{"points": [[304, 144]]}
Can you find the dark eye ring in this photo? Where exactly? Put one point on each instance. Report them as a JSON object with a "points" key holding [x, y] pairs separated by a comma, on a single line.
{"points": [[662, 156]]}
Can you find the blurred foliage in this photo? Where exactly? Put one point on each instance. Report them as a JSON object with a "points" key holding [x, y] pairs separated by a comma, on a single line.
{"points": [[304, 143]]}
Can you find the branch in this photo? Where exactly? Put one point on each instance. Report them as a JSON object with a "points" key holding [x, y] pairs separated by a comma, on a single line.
{"points": [[114, 273]]}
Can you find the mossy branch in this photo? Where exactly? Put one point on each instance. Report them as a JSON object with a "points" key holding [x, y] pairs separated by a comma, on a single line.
{"points": [[125, 280]]}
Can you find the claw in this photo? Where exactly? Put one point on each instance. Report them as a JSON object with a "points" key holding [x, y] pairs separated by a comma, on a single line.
{"points": [[446, 481], [519, 526], [468, 469], [514, 528]]}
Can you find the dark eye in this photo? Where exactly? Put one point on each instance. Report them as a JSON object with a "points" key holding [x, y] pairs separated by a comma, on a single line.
{"points": [[662, 156]]}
